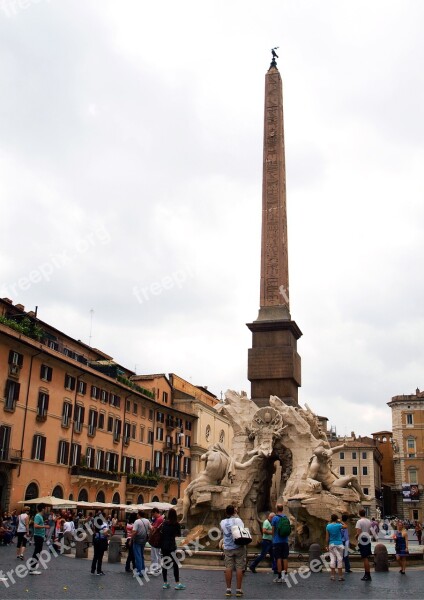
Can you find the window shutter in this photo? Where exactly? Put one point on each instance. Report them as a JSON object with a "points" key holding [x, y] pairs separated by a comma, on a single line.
{"points": [[49, 373], [118, 426], [78, 455], [66, 452], [10, 356], [34, 441], [58, 453], [6, 391], [46, 404], [96, 416], [82, 413], [16, 391], [43, 448]]}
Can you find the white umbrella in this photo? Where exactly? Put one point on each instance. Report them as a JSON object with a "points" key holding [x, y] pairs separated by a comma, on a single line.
{"points": [[159, 505], [51, 501]]}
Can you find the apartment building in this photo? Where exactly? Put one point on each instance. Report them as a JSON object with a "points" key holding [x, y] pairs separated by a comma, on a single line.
{"points": [[408, 454], [362, 458], [75, 424]]}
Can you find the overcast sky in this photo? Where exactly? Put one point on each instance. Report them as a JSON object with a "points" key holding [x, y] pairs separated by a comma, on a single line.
{"points": [[131, 172]]}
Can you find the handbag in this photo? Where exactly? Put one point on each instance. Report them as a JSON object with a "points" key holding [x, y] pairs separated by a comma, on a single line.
{"points": [[155, 537], [241, 535]]}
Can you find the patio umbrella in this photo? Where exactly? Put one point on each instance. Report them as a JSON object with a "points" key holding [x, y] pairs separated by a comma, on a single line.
{"points": [[51, 501], [159, 505]]}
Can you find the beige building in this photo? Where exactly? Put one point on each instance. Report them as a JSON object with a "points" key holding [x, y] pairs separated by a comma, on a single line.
{"points": [[408, 454], [361, 458]]}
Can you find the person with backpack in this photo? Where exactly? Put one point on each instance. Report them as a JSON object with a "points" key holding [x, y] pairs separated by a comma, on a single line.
{"points": [[266, 543], [171, 529], [281, 530], [234, 555], [139, 535]]}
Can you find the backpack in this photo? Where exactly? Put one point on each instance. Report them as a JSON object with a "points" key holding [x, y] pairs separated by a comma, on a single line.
{"points": [[283, 526], [155, 537]]}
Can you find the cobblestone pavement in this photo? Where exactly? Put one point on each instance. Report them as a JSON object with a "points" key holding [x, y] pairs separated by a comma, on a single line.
{"points": [[68, 578]]}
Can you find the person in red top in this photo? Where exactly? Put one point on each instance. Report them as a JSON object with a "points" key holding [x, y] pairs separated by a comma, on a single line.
{"points": [[130, 556], [156, 519]]}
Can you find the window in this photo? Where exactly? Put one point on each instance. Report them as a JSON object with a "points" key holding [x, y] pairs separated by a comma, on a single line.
{"points": [[187, 465], [63, 453], [82, 388], [410, 444], [158, 460], [187, 441], [100, 459], [140, 465], [364, 470], [353, 455], [354, 470], [342, 470], [366, 491], [413, 475], [341, 455], [128, 405], [69, 382], [178, 423], [114, 400], [111, 461], [409, 419], [79, 417], [188, 425], [42, 406], [135, 408], [93, 417], [53, 345], [160, 417], [142, 428], [150, 438], [46, 373], [38, 447], [165, 397], [11, 395], [110, 424], [133, 431], [364, 455], [66, 414], [147, 466], [127, 432], [167, 465], [101, 421], [415, 514], [143, 412], [75, 454], [117, 430], [16, 359], [5, 432], [150, 414], [90, 457], [159, 434]]}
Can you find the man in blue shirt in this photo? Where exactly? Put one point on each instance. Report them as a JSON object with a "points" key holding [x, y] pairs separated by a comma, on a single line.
{"points": [[234, 556], [280, 546]]}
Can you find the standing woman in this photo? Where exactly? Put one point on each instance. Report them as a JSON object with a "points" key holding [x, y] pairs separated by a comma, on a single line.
{"points": [[401, 546], [170, 530], [22, 533], [100, 547]]}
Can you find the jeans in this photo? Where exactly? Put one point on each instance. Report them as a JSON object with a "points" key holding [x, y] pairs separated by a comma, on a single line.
{"points": [[38, 547], [138, 550], [266, 549]]}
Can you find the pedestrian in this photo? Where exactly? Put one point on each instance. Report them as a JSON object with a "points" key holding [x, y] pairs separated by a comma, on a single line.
{"points": [[280, 546], [335, 546], [14, 522], [266, 547], [234, 556], [346, 543], [130, 555], [139, 535], [68, 532], [375, 528], [157, 520], [401, 546], [363, 536], [39, 536], [22, 532], [171, 529], [418, 531], [100, 546]]}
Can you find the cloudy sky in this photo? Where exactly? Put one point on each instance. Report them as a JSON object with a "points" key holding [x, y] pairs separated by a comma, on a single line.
{"points": [[130, 182]]}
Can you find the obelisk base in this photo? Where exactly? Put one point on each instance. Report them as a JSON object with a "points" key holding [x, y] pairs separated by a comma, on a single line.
{"points": [[274, 366]]}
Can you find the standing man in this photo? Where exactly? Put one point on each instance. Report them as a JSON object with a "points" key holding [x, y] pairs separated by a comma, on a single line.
{"points": [[157, 520], [280, 546], [234, 556], [22, 532], [139, 535], [266, 542], [363, 536], [346, 543], [39, 536]]}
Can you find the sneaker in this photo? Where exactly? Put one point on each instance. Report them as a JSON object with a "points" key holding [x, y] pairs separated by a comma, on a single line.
{"points": [[35, 572], [128, 571], [239, 593], [101, 573], [366, 577], [252, 569], [228, 592], [180, 586], [166, 586], [277, 580]]}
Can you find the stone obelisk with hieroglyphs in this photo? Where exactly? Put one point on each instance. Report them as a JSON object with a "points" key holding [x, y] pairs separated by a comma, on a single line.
{"points": [[273, 363]]}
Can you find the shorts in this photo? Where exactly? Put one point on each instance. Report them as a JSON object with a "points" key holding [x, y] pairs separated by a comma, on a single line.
{"points": [[336, 555], [281, 550], [235, 558], [22, 540], [365, 550]]}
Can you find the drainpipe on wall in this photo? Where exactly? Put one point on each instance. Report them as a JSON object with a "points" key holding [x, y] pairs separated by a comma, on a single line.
{"points": [[26, 409]]}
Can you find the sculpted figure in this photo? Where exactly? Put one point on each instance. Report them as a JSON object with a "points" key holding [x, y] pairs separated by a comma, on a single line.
{"points": [[320, 470], [218, 465]]}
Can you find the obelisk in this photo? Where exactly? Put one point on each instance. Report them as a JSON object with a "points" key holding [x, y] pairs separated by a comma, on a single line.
{"points": [[274, 366]]}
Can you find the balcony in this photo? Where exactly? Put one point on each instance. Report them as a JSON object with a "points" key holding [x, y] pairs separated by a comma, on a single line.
{"points": [[170, 424], [126, 440], [41, 414], [89, 476], [11, 457], [141, 481]]}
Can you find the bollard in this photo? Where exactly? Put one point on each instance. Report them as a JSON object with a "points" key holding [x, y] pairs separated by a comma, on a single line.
{"points": [[114, 551], [81, 549], [381, 558], [315, 562]]}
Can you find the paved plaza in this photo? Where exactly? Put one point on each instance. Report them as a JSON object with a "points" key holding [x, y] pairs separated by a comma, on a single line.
{"points": [[68, 578]]}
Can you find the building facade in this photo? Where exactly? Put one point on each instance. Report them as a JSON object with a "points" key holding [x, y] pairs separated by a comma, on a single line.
{"points": [[384, 441], [408, 454], [75, 424], [362, 458]]}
